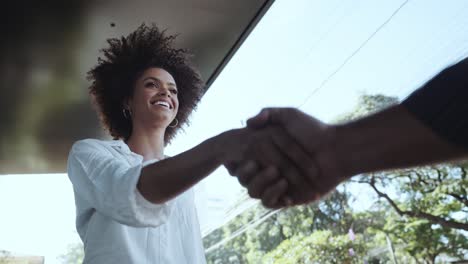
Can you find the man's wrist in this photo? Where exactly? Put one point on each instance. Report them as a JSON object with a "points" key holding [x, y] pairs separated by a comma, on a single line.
{"points": [[385, 140], [342, 144]]}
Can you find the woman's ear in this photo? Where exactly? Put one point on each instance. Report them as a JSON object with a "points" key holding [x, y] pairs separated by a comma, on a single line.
{"points": [[127, 104]]}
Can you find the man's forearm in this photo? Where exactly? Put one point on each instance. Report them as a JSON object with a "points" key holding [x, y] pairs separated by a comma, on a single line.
{"points": [[390, 139]]}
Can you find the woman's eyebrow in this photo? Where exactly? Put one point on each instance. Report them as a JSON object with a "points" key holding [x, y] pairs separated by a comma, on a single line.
{"points": [[152, 78]]}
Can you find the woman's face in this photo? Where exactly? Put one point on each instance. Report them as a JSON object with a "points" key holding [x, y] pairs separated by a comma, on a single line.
{"points": [[154, 101]]}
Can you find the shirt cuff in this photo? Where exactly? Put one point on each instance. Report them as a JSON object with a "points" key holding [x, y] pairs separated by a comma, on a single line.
{"points": [[148, 213]]}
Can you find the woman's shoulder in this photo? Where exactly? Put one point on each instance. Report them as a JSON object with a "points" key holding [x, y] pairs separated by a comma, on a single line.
{"points": [[92, 144]]}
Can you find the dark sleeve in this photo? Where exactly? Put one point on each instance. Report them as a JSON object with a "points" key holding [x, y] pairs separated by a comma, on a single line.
{"points": [[442, 104]]}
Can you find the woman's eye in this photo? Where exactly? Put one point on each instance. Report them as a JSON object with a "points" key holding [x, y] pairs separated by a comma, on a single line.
{"points": [[174, 91], [150, 84]]}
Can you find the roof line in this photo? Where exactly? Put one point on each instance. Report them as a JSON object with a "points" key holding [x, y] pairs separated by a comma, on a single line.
{"points": [[245, 33]]}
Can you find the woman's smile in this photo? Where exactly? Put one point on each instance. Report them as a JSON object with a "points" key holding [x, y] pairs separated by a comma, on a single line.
{"points": [[162, 103]]}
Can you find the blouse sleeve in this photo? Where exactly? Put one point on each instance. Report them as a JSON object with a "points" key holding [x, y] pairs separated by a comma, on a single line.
{"points": [[109, 185]]}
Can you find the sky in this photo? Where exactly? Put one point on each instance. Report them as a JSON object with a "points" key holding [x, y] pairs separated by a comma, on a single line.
{"points": [[319, 56]]}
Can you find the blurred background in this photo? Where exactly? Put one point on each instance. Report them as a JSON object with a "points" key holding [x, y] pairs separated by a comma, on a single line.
{"points": [[48, 46]]}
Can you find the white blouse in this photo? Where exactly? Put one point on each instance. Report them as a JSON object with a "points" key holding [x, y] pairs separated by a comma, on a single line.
{"points": [[115, 222]]}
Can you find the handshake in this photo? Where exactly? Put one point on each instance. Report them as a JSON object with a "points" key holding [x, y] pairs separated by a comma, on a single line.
{"points": [[284, 157]]}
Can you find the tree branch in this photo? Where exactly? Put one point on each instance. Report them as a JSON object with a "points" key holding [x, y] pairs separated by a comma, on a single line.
{"points": [[420, 177], [416, 214], [439, 176], [463, 170], [459, 198]]}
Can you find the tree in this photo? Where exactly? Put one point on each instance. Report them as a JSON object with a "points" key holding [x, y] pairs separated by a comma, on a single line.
{"points": [[418, 216], [74, 254], [431, 202], [4, 257], [318, 247], [257, 231]]}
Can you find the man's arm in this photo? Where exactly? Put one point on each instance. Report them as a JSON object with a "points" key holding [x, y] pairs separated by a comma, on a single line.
{"points": [[392, 138], [430, 126]]}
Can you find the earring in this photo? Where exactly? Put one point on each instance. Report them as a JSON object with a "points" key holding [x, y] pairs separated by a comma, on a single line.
{"points": [[124, 111], [177, 122]]}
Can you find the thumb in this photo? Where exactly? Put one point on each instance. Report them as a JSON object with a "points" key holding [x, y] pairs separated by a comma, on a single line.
{"points": [[260, 120], [271, 116]]}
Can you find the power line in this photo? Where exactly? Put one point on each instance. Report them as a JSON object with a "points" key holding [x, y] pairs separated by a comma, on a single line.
{"points": [[256, 222], [353, 54], [240, 231]]}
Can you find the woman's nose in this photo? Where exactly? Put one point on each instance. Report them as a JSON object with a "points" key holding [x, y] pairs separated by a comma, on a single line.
{"points": [[164, 92]]}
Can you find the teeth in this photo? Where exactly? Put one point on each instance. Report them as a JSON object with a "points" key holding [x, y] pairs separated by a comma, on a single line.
{"points": [[162, 103]]}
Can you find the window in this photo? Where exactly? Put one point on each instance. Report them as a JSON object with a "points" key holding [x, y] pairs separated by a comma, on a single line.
{"points": [[336, 61]]}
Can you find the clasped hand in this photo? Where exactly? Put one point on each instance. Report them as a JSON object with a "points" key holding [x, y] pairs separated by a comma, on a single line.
{"points": [[287, 158]]}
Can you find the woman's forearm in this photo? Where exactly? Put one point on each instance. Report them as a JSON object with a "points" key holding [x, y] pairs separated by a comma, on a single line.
{"points": [[390, 139], [165, 179]]}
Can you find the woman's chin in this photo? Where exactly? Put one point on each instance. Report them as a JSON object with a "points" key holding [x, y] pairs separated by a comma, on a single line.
{"points": [[160, 120]]}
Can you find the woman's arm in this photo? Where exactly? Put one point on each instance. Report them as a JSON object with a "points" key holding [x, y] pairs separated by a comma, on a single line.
{"points": [[166, 179], [163, 180]]}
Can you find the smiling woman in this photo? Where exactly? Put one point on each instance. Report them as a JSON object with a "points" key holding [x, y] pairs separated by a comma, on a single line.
{"points": [[133, 61], [135, 204], [155, 98], [131, 206]]}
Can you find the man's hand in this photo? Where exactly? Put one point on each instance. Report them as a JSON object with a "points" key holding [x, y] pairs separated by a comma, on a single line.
{"points": [[306, 130], [311, 151]]}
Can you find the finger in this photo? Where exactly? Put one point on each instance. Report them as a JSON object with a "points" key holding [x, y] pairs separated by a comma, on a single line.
{"points": [[268, 153], [273, 193], [297, 182], [315, 197], [287, 168], [287, 201], [231, 167], [282, 116], [298, 156], [320, 187], [262, 180], [272, 116], [245, 171], [283, 202]]}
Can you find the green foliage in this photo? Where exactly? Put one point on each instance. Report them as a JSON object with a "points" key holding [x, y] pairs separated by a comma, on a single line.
{"points": [[423, 240], [74, 254], [429, 204], [319, 247], [293, 223], [4, 257], [427, 209], [429, 199], [427, 227], [368, 104]]}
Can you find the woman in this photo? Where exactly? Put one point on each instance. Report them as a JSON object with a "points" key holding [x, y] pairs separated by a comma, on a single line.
{"points": [[134, 204]]}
